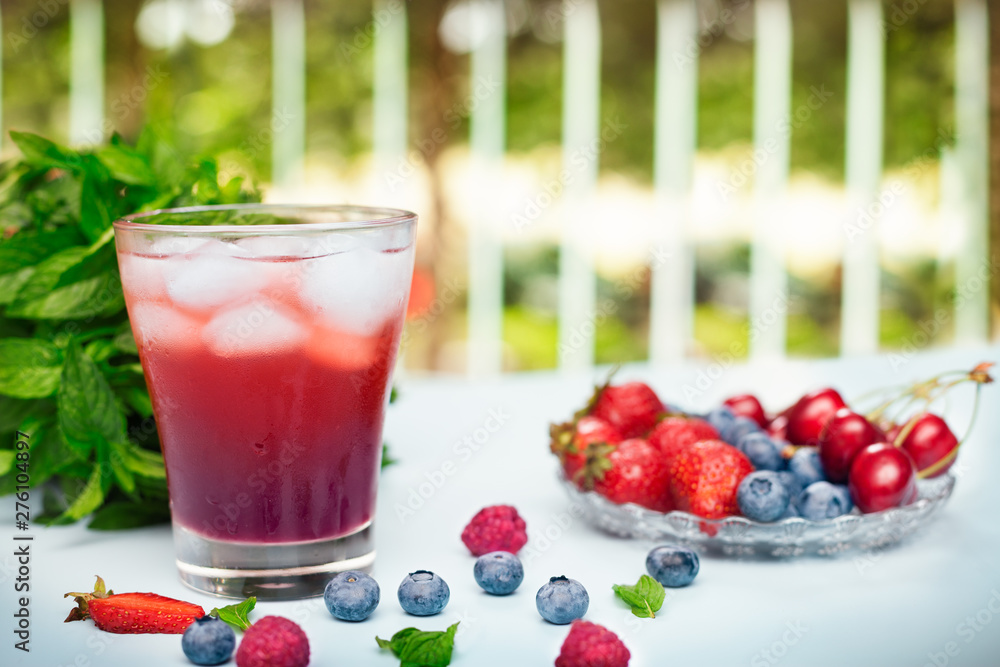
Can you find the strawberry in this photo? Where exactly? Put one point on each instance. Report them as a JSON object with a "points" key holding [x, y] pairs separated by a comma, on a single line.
{"points": [[632, 408], [704, 478], [133, 613], [674, 434], [631, 472], [570, 441]]}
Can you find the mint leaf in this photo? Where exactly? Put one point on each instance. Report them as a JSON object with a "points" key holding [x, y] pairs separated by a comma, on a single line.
{"points": [[398, 640], [142, 461], [6, 460], [75, 283], [40, 152], [126, 164], [59, 276], [95, 216], [29, 368], [89, 414], [417, 648], [89, 498], [645, 597], [387, 460], [20, 253], [121, 515], [237, 615]]}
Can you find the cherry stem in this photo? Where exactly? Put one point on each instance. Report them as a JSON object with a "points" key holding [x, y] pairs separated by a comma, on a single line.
{"points": [[929, 391]]}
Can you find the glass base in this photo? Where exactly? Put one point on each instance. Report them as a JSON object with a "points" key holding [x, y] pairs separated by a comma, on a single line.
{"points": [[287, 571]]}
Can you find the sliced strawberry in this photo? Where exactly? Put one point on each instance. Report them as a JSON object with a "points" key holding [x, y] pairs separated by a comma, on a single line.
{"points": [[569, 441], [674, 434], [632, 408], [133, 613], [704, 478], [631, 472]]}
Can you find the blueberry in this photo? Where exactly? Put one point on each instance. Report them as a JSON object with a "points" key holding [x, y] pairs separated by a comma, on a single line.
{"points": [[845, 497], [822, 500], [738, 428], [762, 497], [806, 467], [423, 593], [791, 512], [562, 600], [720, 418], [673, 566], [208, 641], [498, 572], [791, 483], [764, 453], [352, 596]]}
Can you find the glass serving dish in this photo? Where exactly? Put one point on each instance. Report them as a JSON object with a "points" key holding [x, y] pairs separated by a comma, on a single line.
{"points": [[787, 538]]}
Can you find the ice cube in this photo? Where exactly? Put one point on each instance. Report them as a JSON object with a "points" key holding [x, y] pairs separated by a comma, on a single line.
{"points": [[258, 327], [358, 291], [270, 247], [343, 351], [394, 237], [156, 325], [142, 276], [212, 277], [176, 245]]}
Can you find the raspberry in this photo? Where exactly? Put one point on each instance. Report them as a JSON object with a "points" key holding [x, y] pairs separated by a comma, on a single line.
{"points": [[589, 644], [495, 528], [273, 641]]}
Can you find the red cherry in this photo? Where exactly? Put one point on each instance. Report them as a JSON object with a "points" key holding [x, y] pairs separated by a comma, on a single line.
{"points": [[882, 477], [931, 443], [778, 427], [846, 434], [809, 415], [747, 405]]}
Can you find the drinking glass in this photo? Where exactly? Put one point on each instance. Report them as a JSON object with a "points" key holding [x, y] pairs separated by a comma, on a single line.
{"points": [[268, 336]]}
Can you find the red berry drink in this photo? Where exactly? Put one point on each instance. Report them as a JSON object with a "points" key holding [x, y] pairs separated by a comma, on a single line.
{"points": [[268, 353]]}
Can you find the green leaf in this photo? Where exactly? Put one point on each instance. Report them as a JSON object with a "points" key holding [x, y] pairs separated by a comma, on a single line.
{"points": [[417, 648], [49, 452], [645, 597], [6, 460], [95, 216], [29, 368], [11, 283], [124, 477], [89, 415], [13, 411], [236, 615], [386, 459], [75, 283], [28, 248], [123, 515], [398, 640], [143, 462], [125, 341], [89, 499], [126, 164], [101, 349], [136, 398], [20, 253], [41, 152]]}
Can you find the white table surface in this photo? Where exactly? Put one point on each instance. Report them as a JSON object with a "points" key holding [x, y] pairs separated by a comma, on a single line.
{"points": [[904, 606]]}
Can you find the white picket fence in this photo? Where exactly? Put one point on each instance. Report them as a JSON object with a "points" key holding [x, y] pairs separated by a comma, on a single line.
{"points": [[672, 299]]}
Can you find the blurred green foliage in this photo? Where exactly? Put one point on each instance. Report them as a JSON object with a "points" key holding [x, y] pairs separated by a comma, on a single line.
{"points": [[217, 101]]}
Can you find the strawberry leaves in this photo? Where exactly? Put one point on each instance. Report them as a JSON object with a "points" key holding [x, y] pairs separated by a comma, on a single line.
{"points": [[645, 597]]}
